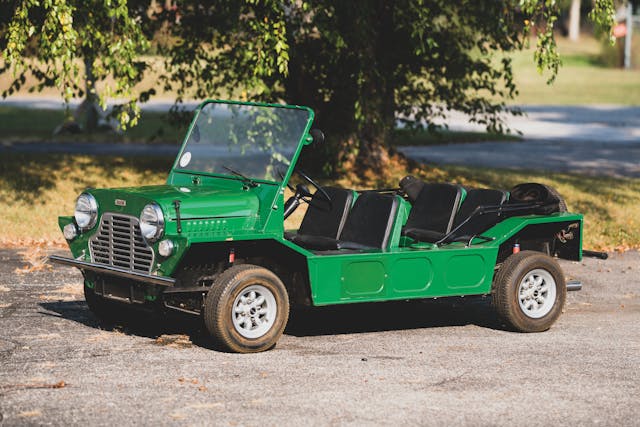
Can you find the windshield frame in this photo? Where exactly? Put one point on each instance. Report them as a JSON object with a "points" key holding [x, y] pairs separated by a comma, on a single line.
{"points": [[302, 141]]}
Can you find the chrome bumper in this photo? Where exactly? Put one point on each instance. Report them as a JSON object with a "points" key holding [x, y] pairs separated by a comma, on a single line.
{"points": [[114, 271]]}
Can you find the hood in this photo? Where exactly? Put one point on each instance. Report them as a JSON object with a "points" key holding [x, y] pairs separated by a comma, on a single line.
{"points": [[195, 201]]}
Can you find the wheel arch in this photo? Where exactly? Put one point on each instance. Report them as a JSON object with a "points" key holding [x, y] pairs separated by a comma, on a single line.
{"points": [[555, 238], [289, 265]]}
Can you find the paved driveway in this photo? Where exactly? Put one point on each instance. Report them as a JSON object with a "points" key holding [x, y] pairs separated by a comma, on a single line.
{"points": [[444, 362], [596, 140]]}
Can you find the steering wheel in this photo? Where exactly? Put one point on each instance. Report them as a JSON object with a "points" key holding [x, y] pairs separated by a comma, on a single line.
{"points": [[320, 200]]}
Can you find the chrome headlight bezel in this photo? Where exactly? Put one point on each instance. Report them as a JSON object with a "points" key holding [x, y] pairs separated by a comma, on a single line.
{"points": [[152, 222], [86, 211]]}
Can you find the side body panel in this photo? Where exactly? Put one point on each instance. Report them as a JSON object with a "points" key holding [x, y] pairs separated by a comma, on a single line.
{"points": [[423, 270], [404, 273]]}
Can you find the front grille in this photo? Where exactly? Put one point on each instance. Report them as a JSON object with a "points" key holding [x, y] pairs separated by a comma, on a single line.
{"points": [[119, 243]]}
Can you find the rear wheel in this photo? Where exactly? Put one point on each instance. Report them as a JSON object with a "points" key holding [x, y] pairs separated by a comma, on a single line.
{"points": [[247, 309], [529, 291]]}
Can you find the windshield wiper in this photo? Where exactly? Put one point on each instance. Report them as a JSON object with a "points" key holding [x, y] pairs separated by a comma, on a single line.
{"points": [[248, 181]]}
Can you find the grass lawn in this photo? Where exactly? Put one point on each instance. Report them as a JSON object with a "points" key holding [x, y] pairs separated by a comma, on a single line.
{"points": [[581, 79], [26, 124], [35, 189]]}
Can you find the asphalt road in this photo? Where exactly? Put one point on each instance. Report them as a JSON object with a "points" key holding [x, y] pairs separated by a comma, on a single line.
{"points": [[594, 140], [444, 362]]}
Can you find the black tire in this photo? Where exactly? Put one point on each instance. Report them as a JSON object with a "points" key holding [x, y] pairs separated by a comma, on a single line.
{"points": [[510, 300], [225, 297], [562, 205]]}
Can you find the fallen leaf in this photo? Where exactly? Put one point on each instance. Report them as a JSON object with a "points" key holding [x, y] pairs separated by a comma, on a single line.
{"points": [[177, 341], [36, 258], [206, 405], [30, 414]]}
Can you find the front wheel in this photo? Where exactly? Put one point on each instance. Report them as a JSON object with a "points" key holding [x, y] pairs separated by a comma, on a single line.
{"points": [[529, 291], [246, 309]]}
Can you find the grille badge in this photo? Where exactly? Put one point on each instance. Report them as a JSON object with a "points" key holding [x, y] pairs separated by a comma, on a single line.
{"points": [[120, 202]]}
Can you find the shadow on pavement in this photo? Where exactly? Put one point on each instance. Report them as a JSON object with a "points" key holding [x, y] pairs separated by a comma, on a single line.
{"points": [[390, 316], [315, 321], [142, 323]]}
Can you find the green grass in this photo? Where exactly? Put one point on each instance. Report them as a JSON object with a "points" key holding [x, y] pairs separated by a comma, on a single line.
{"points": [[582, 78], [36, 189], [26, 124]]}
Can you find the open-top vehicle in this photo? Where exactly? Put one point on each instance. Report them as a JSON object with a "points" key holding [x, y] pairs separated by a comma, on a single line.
{"points": [[211, 241]]}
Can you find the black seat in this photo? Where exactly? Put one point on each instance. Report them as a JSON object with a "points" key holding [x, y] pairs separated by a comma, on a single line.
{"points": [[433, 211], [475, 215], [368, 225], [323, 218], [411, 187]]}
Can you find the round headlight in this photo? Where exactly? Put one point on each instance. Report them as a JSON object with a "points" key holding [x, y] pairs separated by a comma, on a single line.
{"points": [[86, 212], [152, 222], [166, 247], [69, 231]]}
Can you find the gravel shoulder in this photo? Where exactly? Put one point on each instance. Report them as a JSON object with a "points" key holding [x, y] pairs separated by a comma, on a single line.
{"points": [[437, 363]]}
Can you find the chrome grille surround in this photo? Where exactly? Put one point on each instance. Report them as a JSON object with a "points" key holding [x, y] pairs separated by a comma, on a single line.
{"points": [[119, 243]]}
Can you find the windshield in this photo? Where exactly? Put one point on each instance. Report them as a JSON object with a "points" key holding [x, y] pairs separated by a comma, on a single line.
{"points": [[250, 140]]}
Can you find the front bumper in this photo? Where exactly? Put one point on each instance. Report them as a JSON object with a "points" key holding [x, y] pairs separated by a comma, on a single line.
{"points": [[114, 271]]}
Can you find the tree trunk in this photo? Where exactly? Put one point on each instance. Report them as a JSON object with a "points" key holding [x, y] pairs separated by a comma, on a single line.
{"points": [[574, 20], [88, 113]]}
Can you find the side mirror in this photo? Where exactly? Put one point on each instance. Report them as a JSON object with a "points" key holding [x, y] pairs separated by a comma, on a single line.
{"points": [[317, 135]]}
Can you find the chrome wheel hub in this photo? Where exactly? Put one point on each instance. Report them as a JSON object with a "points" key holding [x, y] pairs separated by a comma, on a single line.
{"points": [[254, 311], [537, 293]]}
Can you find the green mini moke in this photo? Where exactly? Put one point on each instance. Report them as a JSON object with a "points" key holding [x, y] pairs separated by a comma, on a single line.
{"points": [[211, 241]]}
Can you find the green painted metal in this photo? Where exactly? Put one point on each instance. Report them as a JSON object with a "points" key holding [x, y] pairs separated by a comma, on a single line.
{"points": [[401, 273], [416, 270], [223, 208]]}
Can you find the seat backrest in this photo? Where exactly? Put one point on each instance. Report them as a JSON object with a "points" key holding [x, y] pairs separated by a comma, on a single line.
{"points": [[411, 187], [479, 223], [370, 221], [435, 207], [327, 219]]}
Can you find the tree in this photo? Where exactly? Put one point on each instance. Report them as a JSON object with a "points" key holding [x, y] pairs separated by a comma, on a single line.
{"points": [[361, 65], [51, 39], [574, 20]]}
